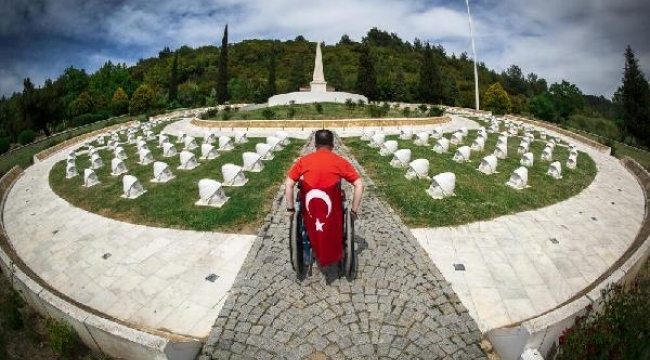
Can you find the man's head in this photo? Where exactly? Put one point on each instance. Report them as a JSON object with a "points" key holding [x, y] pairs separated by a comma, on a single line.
{"points": [[324, 138]]}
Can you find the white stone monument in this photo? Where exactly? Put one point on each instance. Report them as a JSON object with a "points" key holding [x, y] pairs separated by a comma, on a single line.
{"points": [[377, 140], [547, 153], [437, 132], [70, 170], [188, 161], [462, 154], [555, 170], [225, 143], [572, 162], [233, 175], [527, 159], [209, 138], [241, 137], [442, 185], [211, 193], [208, 152], [501, 151], [161, 172], [283, 136], [118, 167], [367, 134], [422, 139], [96, 162], [145, 157], [401, 158], [169, 150], [132, 187], [406, 134], [162, 139], [488, 165], [388, 148], [252, 162], [90, 178], [120, 153], [264, 150], [274, 142], [441, 146], [418, 168], [519, 179], [190, 143], [457, 138], [478, 144], [318, 90]]}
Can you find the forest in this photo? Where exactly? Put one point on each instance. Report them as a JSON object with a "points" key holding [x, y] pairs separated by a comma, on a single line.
{"points": [[382, 66]]}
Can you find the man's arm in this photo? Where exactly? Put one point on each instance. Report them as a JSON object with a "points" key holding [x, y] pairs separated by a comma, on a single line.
{"points": [[288, 192], [357, 195]]}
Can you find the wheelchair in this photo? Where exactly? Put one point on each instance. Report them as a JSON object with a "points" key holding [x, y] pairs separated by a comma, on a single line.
{"points": [[302, 256]]}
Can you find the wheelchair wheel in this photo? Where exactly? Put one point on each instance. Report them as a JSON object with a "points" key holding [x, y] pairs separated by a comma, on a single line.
{"points": [[348, 244], [295, 245]]}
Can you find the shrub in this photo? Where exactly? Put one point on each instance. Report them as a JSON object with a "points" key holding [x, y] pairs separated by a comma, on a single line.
{"points": [[143, 100], [226, 115], [319, 108], [406, 112], [86, 119], [423, 108], [361, 103], [435, 111], [375, 111], [291, 112], [268, 113], [350, 104], [385, 108], [496, 99], [5, 144], [26, 136], [210, 113], [61, 337], [10, 310]]}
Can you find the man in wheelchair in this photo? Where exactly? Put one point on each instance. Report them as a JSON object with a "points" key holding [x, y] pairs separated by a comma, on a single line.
{"points": [[320, 221]]}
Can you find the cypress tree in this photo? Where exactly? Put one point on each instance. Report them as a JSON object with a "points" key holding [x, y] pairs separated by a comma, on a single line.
{"points": [[367, 77], [271, 87], [430, 85], [222, 79], [297, 74], [173, 80], [635, 99]]}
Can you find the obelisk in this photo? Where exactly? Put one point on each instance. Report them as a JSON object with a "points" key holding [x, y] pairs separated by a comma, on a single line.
{"points": [[318, 84]]}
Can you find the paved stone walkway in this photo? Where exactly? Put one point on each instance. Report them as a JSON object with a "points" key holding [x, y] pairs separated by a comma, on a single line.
{"points": [[398, 306]]}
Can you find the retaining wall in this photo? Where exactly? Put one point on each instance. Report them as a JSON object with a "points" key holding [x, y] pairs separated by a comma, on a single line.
{"points": [[319, 124], [542, 332]]}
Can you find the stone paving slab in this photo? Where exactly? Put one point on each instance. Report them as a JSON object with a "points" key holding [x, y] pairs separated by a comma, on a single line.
{"points": [[512, 269], [397, 306], [154, 277]]}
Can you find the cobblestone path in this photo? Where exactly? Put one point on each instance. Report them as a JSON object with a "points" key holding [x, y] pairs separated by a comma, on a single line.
{"points": [[398, 305]]}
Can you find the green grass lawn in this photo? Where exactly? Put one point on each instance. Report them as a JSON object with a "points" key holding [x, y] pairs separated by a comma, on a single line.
{"points": [[23, 157], [478, 196], [172, 204], [308, 112]]}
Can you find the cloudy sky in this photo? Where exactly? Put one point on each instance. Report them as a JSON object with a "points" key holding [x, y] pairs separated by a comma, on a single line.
{"points": [[578, 40]]}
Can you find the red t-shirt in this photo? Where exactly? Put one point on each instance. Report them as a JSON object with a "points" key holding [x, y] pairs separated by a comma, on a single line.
{"points": [[322, 169]]}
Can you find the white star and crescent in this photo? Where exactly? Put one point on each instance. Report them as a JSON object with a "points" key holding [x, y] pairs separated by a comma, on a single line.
{"points": [[319, 194]]}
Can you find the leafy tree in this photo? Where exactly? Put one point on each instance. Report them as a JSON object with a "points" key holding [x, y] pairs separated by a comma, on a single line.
{"points": [[542, 107], [429, 86], [345, 40], [496, 99], [367, 77], [143, 100], [83, 104], [297, 74], [635, 99], [567, 99], [272, 88], [173, 80], [189, 94], [222, 80], [514, 82], [120, 102]]}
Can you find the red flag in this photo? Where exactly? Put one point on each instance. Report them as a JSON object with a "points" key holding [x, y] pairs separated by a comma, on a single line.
{"points": [[322, 212]]}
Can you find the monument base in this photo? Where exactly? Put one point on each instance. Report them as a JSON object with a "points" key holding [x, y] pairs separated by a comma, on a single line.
{"points": [[314, 97]]}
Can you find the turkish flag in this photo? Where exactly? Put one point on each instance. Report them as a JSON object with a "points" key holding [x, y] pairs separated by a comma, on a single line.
{"points": [[322, 212]]}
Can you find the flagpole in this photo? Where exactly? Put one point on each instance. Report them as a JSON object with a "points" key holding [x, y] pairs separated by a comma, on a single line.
{"points": [[471, 34]]}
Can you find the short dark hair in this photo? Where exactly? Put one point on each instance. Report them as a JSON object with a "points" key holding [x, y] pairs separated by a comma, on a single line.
{"points": [[324, 138]]}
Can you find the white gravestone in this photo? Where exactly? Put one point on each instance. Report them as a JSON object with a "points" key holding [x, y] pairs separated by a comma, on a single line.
{"points": [[555, 170], [462, 154], [233, 175], [90, 178], [132, 187], [377, 140], [488, 165], [418, 168], [274, 142], [572, 162], [252, 162], [456, 138], [523, 148], [211, 193], [241, 137], [70, 170], [209, 138], [169, 150], [96, 162], [120, 153], [190, 143], [401, 158], [265, 151], [519, 179], [162, 139], [501, 151], [188, 161], [406, 134], [208, 152], [145, 157], [527, 159], [437, 133], [118, 167], [283, 136], [441, 146], [464, 131], [367, 134], [478, 144], [547, 154], [181, 138], [388, 148], [442, 185], [422, 139], [161, 172]]}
